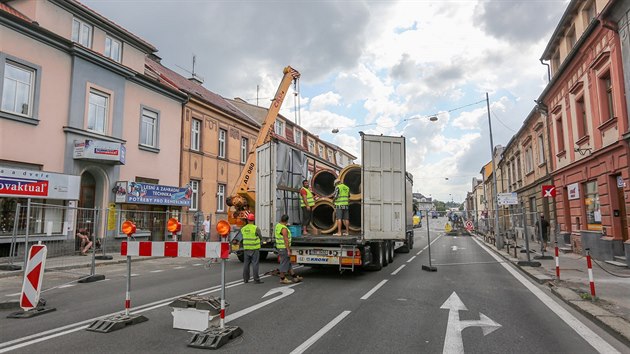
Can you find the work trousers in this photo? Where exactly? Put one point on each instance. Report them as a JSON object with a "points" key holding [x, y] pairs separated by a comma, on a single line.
{"points": [[251, 256]]}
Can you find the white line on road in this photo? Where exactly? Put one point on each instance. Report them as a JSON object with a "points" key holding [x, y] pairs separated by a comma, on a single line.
{"points": [[197, 264], [411, 259], [580, 328], [398, 270], [425, 247], [369, 293], [66, 286], [16, 294], [157, 271], [180, 267], [320, 333]]}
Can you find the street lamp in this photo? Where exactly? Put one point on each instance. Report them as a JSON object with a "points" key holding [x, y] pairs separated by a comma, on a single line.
{"points": [[498, 240]]}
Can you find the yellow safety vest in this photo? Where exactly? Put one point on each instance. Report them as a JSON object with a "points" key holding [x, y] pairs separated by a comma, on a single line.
{"points": [[250, 239], [343, 197], [279, 239], [309, 198]]}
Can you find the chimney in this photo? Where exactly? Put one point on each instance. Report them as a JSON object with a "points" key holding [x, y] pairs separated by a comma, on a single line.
{"points": [[196, 79]]}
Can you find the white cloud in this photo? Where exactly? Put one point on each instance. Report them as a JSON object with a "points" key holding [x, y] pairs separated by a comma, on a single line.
{"points": [[325, 100]]}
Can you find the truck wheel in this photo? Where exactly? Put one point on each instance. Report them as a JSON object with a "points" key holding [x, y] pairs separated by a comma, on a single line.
{"points": [[377, 257], [390, 254], [408, 244], [240, 256], [263, 255]]}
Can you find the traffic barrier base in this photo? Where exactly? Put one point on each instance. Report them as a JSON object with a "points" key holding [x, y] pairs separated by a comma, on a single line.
{"points": [[115, 322], [92, 278], [214, 337], [40, 309], [196, 313]]}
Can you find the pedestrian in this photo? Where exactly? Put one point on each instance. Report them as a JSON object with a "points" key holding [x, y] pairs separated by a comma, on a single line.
{"points": [[341, 199], [206, 228], [542, 229], [251, 249], [306, 203], [283, 244], [86, 243]]}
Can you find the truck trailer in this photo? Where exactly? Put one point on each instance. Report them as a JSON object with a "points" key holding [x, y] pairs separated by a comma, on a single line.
{"points": [[386, 207]]}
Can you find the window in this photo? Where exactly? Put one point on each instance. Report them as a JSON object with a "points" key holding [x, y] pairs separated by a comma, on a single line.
{"points": [[195, 134], [98, 111], [591, 203], [589, 13], [541, 150], [518, 168], [560, 134], [532, 212], [279, 127], [571, 39], [321, 151], [529, 160], [329, 156], [194, 198], [555, 62], [222, 137], [221, 198], [149, 128], [112, 48], [608, 111], [580, 111], [298, 136], [17, 89], [311, 145], [244, 149], [82, 33]]}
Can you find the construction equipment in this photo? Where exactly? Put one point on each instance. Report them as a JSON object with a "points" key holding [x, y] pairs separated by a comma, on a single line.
{"points": [[243, 200]]}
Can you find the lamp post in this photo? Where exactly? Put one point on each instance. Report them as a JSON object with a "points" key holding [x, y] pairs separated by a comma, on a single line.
{"points": [[498, 240]]}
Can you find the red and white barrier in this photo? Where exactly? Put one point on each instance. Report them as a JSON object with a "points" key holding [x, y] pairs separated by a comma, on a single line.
{"points": [[557, 262], [590, 273], [175, 249], [34, 274]]}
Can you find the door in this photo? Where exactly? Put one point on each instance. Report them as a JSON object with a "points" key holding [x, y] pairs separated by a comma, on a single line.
{"points": [[621, 204]]}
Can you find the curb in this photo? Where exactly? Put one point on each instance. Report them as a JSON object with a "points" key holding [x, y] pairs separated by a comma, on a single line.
{"points": [[615, 325]]}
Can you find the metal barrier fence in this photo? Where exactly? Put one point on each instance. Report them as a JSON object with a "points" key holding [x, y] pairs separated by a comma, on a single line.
{"points": [[76, 238]]}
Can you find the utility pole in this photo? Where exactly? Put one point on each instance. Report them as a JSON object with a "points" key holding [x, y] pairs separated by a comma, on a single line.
{"points": [[498, 240]]}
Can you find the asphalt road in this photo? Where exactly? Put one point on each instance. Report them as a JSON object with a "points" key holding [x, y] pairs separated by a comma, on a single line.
{"points": [[400, 309]]}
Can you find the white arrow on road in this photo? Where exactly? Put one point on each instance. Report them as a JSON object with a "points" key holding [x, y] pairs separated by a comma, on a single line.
{"points": [[453, 342], [283, 290]]}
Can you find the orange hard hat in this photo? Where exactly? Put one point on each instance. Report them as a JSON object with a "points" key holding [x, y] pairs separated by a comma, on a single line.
{"points": [[250, 217]]}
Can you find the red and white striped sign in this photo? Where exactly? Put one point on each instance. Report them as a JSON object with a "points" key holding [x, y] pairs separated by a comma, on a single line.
{"points": [[34, 275], [175, 249]]}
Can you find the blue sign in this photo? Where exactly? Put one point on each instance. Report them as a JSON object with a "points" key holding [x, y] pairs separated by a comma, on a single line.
{"points": [[146, 193]]}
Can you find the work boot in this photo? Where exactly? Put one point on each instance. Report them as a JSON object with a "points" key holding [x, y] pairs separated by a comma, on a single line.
{"points": [[285, 281], [297, 278], [258, 281]]}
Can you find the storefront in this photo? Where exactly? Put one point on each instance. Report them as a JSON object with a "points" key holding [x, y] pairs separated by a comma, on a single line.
{"points": [[52, 196], [150, 206]]}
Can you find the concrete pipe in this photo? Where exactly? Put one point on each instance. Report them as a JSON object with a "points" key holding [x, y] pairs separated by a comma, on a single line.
{"points": [[351, 177], [323, 183], [354, 220], [324, 216]]}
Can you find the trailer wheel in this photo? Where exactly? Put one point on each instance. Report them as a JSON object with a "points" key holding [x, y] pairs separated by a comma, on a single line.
{"points": [[408, 244], [385, 253], [263, 255], [390, 253], [377, 257]]}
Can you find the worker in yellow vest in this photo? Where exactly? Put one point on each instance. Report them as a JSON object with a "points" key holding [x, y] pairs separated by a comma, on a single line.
{"points": [[306, 203], [342, 200], [283, 245], [251, 249]]}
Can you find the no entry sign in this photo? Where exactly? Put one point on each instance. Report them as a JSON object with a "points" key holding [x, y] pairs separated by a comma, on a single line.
{"points": [[548, 191]]}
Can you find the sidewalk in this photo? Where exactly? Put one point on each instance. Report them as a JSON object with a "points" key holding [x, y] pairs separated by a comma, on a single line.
{"points": [[611, 306]]}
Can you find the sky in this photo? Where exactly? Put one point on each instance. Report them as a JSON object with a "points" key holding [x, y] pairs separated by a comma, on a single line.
{"points": [[381, 67]]}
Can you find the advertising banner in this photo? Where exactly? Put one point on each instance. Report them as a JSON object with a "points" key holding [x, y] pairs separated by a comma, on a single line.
{"points": [[574, 191], [156, 194], [507, 199], [20, 183], [99, 150]]}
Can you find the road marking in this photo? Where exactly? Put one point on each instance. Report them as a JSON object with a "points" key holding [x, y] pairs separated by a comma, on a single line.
{"points": [[283, 290], [134, 275], [180, 267], [398, 270], [411, 259], [580, 328], [197, 264], [66, 286], [453, 343], [320, 333], [425, 247], [157, 271], [16, 294], [369, 293]]}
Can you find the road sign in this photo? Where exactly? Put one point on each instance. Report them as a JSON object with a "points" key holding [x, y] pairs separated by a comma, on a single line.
{"points": [[548, 191], [34, 274], [507, 198], [469, 225]]}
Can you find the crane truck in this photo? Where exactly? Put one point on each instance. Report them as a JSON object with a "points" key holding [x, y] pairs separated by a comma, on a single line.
{"points": [[242, 200]]}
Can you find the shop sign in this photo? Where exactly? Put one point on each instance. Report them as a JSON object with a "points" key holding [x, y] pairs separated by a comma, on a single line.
{"points": [[574, 191], [20, 183], [507, 199], [103, 151], [156, 194]]}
